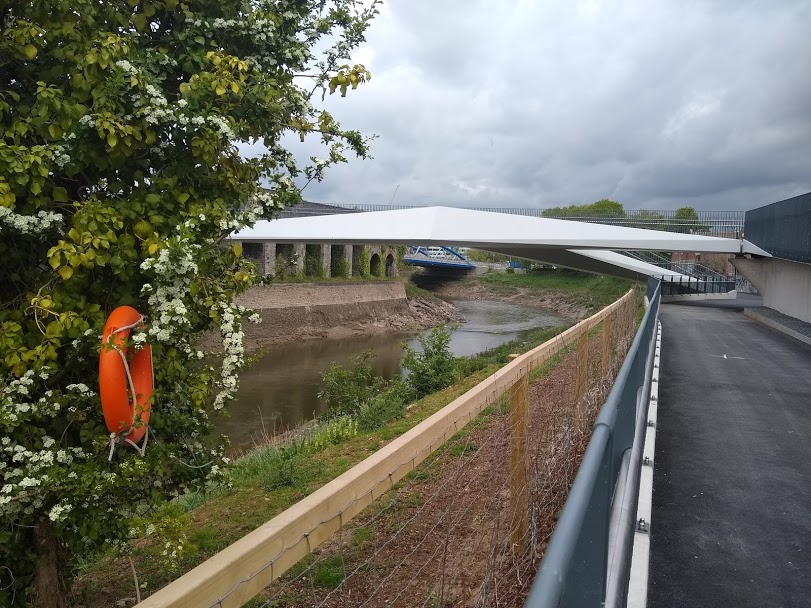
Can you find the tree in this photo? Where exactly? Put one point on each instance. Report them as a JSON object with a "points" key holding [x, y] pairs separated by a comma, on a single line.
{"points": [[686, 220], [649, 220], [603, 208], [120, 182]]}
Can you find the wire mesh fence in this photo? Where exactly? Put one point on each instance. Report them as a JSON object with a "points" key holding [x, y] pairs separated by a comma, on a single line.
{"points": [[468, 527]]}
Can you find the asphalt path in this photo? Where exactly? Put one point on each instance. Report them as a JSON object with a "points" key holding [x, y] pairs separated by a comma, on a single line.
{"points": [[731, 522]]}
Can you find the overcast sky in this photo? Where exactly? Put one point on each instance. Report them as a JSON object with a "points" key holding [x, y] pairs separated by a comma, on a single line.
{"points": [[544, 103]]}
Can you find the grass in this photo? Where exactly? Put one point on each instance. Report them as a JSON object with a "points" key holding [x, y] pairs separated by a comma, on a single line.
{"points": [[589, 290], [415, 291], [329, 572]]}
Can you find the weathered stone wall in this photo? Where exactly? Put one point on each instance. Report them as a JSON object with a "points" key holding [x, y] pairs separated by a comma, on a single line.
{"points": [[305, 311], [287, 295]]}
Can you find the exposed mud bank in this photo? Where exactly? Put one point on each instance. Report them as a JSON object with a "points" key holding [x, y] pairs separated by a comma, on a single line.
{"points": [[560, 302], [306, 311]]}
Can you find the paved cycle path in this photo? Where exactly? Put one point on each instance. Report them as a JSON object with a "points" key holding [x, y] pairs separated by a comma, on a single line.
{"points": [[731, 523]]}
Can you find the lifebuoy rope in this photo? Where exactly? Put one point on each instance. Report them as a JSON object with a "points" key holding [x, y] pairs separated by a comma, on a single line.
{"points": [[114, 437]]}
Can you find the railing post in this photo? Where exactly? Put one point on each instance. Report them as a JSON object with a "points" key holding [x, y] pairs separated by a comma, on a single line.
{"points": [[519, 479]]}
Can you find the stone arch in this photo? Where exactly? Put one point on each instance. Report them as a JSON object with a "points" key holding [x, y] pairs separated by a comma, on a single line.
{"points": [[390, 268], [375, 265]]}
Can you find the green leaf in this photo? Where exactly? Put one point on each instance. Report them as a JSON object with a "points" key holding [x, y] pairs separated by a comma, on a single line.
{"points": [[55, 130], [65, 272], [140, 21], [60, 195], [53, 329], [30, 51]]}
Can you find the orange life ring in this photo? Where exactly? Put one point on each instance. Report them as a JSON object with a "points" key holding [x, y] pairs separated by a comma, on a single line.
{"points": [[124, 399]]}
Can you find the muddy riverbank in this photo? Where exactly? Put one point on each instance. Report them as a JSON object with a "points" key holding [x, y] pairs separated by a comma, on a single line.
{"points": [[560, 302]]}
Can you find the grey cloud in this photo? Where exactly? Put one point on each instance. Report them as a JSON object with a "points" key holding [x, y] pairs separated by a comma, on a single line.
{"points": [[547, 103]]}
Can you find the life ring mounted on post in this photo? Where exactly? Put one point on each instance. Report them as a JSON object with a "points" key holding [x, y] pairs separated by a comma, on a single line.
{"points": [[126, 382]]}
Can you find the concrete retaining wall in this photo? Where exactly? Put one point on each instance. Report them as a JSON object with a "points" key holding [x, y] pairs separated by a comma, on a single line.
{"points": [[784, 285], [312, 309]]}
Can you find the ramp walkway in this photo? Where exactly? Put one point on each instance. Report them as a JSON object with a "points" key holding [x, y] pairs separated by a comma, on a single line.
{"points": [[731, 523]]}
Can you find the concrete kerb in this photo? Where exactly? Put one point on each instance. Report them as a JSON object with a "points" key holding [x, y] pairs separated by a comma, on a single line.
{"points": [[640, 561], [753, 314]]}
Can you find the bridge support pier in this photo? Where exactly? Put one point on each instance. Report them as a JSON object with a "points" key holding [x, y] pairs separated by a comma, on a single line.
{"points": [[326, 260], [299, 252], [268, 260], [784, 284]]}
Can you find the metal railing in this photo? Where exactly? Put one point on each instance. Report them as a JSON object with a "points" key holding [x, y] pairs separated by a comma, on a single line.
{"points": [[587, 561], [685, 285], [690, 268]]}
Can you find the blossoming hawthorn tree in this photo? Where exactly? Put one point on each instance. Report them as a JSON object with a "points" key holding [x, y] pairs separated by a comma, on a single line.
{"points": [[120, 181]]}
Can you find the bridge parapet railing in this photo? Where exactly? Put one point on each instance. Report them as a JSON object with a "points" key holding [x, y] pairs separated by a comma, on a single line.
{"points": [[713, 223], [587, 561]]}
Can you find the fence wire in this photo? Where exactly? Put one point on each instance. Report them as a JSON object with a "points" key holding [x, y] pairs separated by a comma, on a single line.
{"points": [[449, 533]]}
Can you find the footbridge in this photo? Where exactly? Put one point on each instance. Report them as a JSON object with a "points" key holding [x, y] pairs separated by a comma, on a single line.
{"points": [[680, 440], [438, 258]]}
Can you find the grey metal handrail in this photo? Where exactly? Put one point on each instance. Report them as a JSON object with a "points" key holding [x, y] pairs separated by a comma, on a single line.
{"points": [[575, 568]]}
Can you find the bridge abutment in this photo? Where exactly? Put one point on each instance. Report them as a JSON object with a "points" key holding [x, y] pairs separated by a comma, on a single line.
{"points": [[785, 285]]}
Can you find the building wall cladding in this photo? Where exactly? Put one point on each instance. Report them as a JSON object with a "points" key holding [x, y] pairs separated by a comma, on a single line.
{"points": [[783, 228]]}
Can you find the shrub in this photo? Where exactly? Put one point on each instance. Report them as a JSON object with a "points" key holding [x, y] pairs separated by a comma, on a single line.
{"points": [[380, 409], [312, 261], [339, 267], [364, 263], [347, 389], [434, 367]]}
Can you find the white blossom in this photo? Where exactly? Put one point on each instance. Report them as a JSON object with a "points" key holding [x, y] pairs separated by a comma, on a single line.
{"points": [[42, 222]]}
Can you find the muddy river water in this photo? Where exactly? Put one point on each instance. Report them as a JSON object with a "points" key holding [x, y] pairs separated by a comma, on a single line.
{"points": [[280, 391]]}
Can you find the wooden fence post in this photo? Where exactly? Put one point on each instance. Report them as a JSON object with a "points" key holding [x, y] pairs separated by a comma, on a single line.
{"points": [[607, 345], [519, 479], [581, 375]]}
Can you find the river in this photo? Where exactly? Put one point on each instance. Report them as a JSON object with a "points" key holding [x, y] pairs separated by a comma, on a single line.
{"points": [[280, 390]]}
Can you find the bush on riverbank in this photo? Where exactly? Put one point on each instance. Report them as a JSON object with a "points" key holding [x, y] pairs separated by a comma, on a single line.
{"points": [[433, 367], [356, 392]]}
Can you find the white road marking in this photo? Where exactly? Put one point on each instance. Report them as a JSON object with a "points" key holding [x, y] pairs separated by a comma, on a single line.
{"points": [[725, 357]]}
